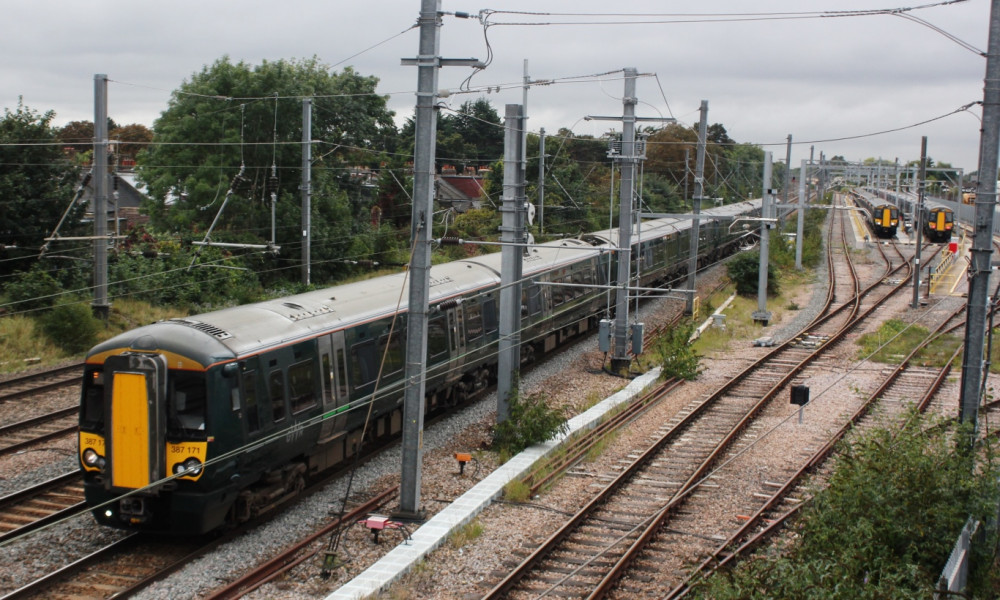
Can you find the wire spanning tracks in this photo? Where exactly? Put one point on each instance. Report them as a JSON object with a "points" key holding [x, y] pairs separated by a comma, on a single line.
{"points": [[40, 505], [18, 436], [28, 385]]}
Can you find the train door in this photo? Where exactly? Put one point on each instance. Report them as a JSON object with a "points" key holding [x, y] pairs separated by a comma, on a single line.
{"points": [[456, 333], [333, 361], [255, 421], [134, 401]]}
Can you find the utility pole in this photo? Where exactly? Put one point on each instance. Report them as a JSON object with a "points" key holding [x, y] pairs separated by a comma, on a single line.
{"points": [[973, 363], [620, 359], [627, 157], [699, 191], [100, 306], [541, 182], [687, 169], [762, 315], [788, 168], [800, 225], [523, 157], [512, 235], [306, 188], [916, 221], [427, 62]]}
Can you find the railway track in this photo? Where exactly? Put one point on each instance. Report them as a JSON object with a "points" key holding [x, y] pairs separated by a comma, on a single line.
{"points": [[29, 509], [28, 385], [118, 569], [23, 434], [297, 553], [587, 557]]}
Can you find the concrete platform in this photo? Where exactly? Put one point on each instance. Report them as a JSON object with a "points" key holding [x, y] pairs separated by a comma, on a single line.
{"points": [[436, 531]]}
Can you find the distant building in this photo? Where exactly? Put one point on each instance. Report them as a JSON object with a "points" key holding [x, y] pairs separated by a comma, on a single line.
{"points": [[125, 198], [462, 192]]}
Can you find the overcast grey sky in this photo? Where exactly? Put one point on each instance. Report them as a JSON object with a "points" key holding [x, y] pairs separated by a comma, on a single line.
{"points": [[764, 77]]}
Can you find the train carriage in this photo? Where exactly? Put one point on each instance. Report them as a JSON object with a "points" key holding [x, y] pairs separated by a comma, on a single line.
{"points": [[187, 425]]}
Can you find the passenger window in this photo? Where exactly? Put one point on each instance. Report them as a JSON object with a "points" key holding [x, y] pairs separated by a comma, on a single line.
{"points": [[473, 321], [364, 364], [437, 338], [558, 292], [390, 352], [490, 314], [276, 391], [534, 299], [250, 393], [302, 385]]}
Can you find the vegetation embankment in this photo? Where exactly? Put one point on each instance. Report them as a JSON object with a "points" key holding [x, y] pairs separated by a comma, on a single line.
{"points": [[896, 338], [785, 284], [885, 525]]}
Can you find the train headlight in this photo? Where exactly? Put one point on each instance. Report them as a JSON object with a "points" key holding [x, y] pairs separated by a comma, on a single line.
{"points": [[191, 466], [92, 459]]}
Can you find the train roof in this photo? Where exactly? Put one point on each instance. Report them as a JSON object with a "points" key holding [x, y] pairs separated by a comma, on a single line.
{"points": [[232, 332], [652, 229]]}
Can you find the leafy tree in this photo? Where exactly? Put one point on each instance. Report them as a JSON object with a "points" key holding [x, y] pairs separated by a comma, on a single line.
{"points": [[36, 186], [77, 135], [132, 139], [718, 134], [471, 137], [235, 128]]}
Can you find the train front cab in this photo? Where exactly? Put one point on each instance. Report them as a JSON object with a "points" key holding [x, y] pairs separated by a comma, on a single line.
{"points": [[131, 437], [886, 220], [939, 224]]}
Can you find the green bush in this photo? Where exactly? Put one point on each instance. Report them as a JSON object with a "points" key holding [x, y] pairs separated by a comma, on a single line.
{"points": [[32, 290], [744, 271], [531, 421], [677, 357], [884, 526], [72, 327]]}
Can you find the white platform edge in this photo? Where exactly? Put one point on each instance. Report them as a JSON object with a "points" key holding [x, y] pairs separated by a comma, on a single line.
{"points": [[436, 531]]}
